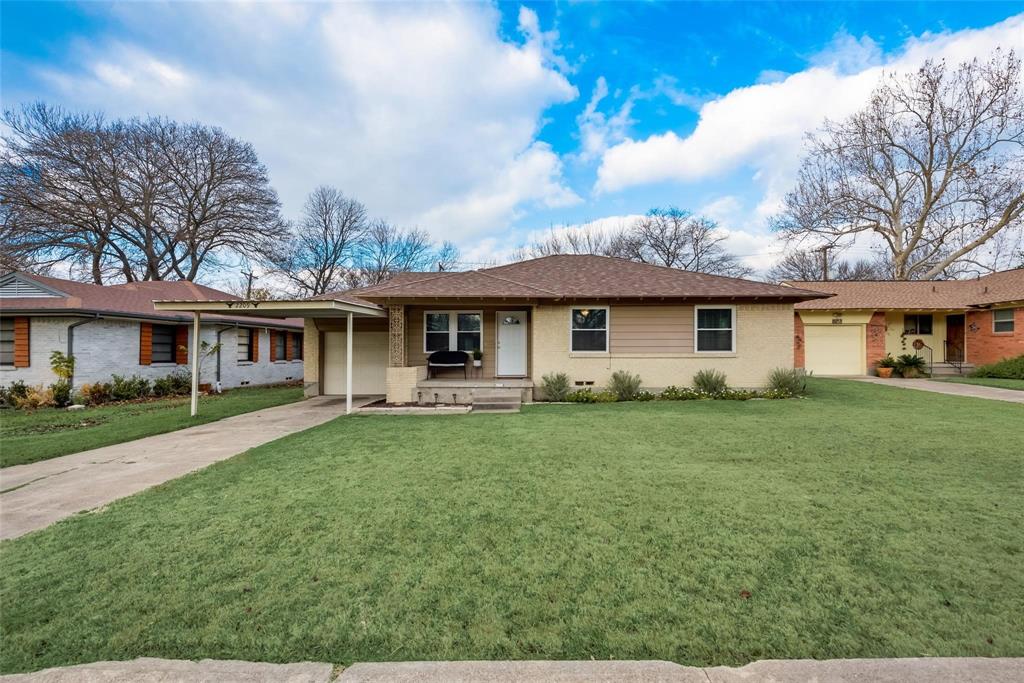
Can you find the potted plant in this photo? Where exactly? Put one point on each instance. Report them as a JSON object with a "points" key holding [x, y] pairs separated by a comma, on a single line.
{"points": [[885, 366], [477, 358], [910, 365]]}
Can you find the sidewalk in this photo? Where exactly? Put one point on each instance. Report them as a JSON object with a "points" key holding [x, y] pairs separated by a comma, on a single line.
{"points": [[950, 388], [915, 670], [38, 494]]}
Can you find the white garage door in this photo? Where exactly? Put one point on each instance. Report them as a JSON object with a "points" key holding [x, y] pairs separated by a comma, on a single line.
{"points": [[369, 362], [834, 349]]}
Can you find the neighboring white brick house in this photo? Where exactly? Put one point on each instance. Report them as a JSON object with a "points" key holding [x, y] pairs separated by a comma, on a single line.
{"points": [[108, 335]]}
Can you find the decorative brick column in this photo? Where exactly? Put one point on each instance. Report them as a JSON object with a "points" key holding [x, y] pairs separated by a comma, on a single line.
{"points": [[798, 341], [396, 336], [875, 339]]}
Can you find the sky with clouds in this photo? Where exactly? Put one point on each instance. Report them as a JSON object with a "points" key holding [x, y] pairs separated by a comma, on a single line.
{"points": [[491, 124]]}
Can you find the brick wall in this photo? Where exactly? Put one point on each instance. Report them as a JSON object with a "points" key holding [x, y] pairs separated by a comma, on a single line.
{"points": [[986, 346], [799, 350], [875, 339]]}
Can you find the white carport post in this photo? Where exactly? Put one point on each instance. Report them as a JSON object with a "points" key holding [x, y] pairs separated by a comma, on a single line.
{"points": [[348, 366], [195, 363]]}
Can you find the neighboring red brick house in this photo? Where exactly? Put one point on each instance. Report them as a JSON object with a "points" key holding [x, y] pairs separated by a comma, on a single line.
{"points": [[954, 324]]}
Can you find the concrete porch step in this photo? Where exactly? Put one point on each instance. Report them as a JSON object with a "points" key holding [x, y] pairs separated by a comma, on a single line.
{"points": [[497, 401], [944, 369]]}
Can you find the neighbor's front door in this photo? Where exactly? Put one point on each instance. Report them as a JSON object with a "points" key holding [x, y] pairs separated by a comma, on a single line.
{"points": [[511, 344], [955, 338]]}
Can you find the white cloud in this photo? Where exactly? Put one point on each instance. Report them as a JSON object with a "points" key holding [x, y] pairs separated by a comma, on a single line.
{"points": [[598, 131], [760, 127], [422, 111]]}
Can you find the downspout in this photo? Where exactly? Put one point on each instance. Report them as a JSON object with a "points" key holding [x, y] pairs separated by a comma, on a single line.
{"points": [[221, 348], [71, 344]]}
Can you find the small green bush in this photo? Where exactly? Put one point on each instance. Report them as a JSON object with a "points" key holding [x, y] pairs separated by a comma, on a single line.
{"points": [[590, 396], [175, 384], [12, 393], [710, 381], [61, 393], [129, 388], [95, 394], [787, 381], [624, 385], [644, 396], [555, 386], [1009, 368], [910, 365], [673, 393]]}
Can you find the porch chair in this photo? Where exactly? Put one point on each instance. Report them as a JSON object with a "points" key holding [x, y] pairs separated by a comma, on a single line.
{"points": [[448, 359]]}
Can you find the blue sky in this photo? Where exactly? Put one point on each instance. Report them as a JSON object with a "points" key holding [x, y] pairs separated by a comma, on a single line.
{"points": [[492, 124]]}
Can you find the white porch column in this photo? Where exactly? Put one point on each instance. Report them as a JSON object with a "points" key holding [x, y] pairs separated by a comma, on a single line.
{"points": [[348, 366], [195, 363]]}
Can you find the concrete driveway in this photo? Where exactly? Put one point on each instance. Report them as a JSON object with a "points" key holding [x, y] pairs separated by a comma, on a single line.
{"points": [[949, 388], [38, 494]]}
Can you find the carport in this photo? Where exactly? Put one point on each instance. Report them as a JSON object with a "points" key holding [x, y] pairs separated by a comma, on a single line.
{"points": [[339, 307]]}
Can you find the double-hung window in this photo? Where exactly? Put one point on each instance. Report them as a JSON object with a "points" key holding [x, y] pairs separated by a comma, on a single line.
{"points": [[715, 329], [1002, 320], [7, 341], [280, 340], [244, 344], [917, 324], [453, 331], [296, 346], [589, 330], [163, 343]]}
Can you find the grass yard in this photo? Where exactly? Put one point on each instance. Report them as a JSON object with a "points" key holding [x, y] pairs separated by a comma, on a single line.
{"points": [[863, 521], [1017, 384], [43, 434]]}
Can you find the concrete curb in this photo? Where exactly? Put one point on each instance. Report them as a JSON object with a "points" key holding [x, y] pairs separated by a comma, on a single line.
{"points": [[910, 670]]}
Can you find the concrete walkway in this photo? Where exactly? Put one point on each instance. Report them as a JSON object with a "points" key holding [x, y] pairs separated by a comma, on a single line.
{"points": [[950, 388], [38, 494], [916, 670]]}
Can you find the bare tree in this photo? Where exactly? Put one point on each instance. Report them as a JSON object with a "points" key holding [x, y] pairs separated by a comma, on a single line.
{"points": [[323, 245], [583, 239], [934, 165], [130, 200], [388, 249], [810, 265]]}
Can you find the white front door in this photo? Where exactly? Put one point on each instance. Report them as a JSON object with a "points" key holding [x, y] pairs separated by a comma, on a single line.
{"points": [[511, 344]]}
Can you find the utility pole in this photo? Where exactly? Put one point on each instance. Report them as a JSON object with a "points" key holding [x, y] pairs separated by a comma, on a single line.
{"points": [[248, 286], [824, 261]]}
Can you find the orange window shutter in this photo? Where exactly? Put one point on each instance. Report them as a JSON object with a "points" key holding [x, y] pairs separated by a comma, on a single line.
{"points": [[145, 343], [288, 346], [21, 343], [255, 345], [181, 345], [271, 338]]}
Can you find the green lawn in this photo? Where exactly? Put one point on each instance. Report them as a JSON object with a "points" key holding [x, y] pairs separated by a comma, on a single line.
{"points": [[860, 522], [32, 436], [1017, 384]]}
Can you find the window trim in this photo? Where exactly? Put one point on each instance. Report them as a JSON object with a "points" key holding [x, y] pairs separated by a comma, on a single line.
{"points": [[607, 328], [697, 329], [1012, 320], [453, 332], [14, 342], [280, 338]]}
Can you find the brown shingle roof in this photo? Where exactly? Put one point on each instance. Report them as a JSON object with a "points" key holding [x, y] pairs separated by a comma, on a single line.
{"points": [[132, 299], [917, 294], [579, 276]]}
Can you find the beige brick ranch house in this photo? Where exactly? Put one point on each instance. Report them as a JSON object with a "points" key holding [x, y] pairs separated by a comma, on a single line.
{"points": [[586, 316]]}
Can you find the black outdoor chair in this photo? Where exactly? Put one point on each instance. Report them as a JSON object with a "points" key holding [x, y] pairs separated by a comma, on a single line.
{"points": [[448, 359]]}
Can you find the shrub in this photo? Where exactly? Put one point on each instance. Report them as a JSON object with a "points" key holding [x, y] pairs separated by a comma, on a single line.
{"points": [[788, 381], [1009, 368], [624, 385], [62, 365], [673, 393], [589, 396], [35, 397], [710, 381], [910, 365], [14, 391], [175, 384], [644, 396], [95, 394], [555, 386], [129, 388], [887, 362], [61, 393]]}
